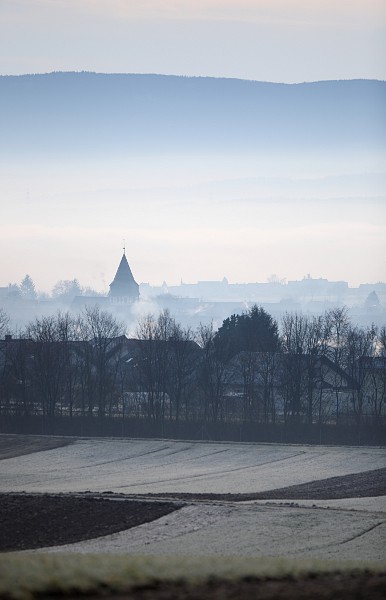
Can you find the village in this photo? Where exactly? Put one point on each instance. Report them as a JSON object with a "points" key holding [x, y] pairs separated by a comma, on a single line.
{"points": [[306, 377]]}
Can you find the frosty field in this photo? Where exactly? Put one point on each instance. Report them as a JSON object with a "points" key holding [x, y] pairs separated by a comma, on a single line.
{"points": [[349, 528], [163, 466]]}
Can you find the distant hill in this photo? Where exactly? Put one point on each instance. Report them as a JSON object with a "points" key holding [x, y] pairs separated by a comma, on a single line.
{"points": [[71, 113]]}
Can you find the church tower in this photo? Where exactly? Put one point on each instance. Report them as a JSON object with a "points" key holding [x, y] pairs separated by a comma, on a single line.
{"points": [[124, 289]]}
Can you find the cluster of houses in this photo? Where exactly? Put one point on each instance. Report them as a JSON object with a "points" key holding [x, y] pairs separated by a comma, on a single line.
{"points": [[180, 380], [204, 301]]}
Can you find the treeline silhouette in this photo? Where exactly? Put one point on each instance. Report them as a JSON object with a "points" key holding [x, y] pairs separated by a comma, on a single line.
{"points": [[312, 379]]}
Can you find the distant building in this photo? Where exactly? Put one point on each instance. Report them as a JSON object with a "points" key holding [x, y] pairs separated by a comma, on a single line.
{"points": [[123, 289], [372, 301]]}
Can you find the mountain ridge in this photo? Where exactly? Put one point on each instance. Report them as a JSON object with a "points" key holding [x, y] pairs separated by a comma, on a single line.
{"points": [[175, 76], [87, 112]]}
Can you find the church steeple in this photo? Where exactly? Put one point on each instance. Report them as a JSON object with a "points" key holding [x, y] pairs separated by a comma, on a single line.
{"points": [[124, 289]]}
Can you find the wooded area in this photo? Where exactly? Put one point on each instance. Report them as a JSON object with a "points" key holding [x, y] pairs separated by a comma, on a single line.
{"points": [[251, 379]]}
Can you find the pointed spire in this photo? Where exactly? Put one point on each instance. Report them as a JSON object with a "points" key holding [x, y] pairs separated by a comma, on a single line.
{"points": [[124, 288]]}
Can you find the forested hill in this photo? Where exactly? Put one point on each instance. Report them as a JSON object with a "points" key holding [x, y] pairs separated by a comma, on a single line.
{"points": [[97, 113]]}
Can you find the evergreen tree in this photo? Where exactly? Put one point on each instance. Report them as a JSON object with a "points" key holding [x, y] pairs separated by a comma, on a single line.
{"points": [[27, 288], [253, 331]]}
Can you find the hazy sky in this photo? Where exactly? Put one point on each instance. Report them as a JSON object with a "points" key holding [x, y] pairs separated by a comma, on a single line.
{"points": [[187, 219], [194, 218], [270, 40]]}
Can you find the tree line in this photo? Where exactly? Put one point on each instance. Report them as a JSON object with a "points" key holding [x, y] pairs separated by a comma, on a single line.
{"points": [[64, 290], [252, 369]]}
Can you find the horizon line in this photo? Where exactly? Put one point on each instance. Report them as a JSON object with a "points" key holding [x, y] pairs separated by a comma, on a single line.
{"points": [[182, 76]]}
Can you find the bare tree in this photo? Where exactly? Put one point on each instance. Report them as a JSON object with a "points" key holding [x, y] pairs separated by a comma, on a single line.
{"points": [[146, 370], [67, 332], [294, 340], [360, 347], [4, 360], [377, 378], [4, 323], [183, 356], [154, 362], [65, 290], [337, 328], [267, 379], [213, 374], [17, 375], [338, 325], [100, 333], [164, 331], [316, 344], [47, 362], [305, 344]]}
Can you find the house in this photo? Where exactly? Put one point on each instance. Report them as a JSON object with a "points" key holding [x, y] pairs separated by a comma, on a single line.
{"points": [[272, 386], [157, 375], [16, 373], [370, 372]]}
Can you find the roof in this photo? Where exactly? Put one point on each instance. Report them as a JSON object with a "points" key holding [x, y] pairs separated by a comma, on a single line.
{"points": [[124, 283], [286, 363], [123, 274]]}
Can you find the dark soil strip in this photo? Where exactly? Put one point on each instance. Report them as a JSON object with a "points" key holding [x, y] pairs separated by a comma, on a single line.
{"points": [[28, 522], [358, 485], [334, 586], [18, 445]]}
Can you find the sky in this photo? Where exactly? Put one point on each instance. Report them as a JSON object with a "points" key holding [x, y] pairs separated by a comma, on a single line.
{"points": [[219, 216], [268, 40], [242, 217]]}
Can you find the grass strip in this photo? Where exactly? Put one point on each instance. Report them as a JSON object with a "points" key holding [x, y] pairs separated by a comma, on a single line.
{"points": [[24, 576]]}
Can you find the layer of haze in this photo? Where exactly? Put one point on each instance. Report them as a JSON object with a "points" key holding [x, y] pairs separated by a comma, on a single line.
{"points": [[265, 40], [200, 218]]}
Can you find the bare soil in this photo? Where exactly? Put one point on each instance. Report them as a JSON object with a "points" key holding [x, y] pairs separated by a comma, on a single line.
{"points": [[337, 586], [38, 521], [30, 521], [18, 445], [358, 485]]}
